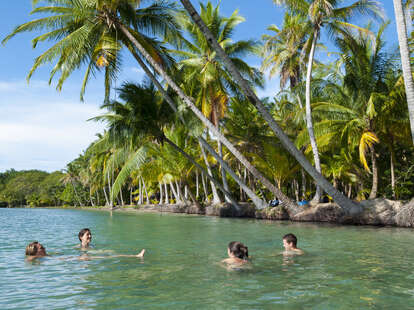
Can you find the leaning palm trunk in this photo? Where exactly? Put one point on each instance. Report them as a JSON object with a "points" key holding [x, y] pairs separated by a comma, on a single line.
{"points": [[346, 204], [203, 181], [405, 60], [292, 208], [216, 198], [191, 159], [223, 172], [260, 204], [204, 144], [76, 194], [106, 196], [309, 122], [177, 200]]}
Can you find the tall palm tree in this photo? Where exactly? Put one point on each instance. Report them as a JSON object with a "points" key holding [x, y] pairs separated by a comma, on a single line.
{"points": [[85, 35], [328, 14], [353, 111], [348, 206], [283, 49], [119, 17], [204, 72], [142, 115], [405, 59]]}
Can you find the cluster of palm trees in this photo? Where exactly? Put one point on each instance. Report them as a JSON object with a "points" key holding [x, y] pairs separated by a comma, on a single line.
{"points": [[165, 135]]}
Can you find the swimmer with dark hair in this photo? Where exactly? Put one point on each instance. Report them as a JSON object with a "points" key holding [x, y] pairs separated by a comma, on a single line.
{"points": [[289, 243], [238, 254], [85, 237]]}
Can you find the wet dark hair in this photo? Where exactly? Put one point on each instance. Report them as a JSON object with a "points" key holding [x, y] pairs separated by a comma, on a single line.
{"points": [[82, 232], [32, 248], [238, 249], [290, 238]]}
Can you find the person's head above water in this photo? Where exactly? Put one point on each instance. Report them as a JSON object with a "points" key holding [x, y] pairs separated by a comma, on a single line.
{"points": [[85, 237], [35, 249], [237, 249], [289, 241]]}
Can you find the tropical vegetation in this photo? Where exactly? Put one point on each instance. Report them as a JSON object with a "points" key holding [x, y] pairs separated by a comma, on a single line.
{"points": [[193, 131]]}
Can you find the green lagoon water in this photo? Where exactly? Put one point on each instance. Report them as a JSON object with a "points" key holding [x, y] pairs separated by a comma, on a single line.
{"points": [[345, 267]]}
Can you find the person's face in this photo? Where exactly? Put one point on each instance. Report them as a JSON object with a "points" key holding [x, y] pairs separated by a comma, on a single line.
{"points": [[287, 245], [41, 251], [229, 253], [86, 238]]}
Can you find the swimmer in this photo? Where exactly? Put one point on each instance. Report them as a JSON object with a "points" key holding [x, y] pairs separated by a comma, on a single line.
{"points": [[85, 237], [289, 242], [238, 254], [35, 250]]}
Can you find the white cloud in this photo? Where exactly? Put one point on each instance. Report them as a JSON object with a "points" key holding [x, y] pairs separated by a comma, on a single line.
{"points": [[43, 129]]}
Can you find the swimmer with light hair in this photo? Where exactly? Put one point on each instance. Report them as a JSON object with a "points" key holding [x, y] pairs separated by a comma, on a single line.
{"points": [[35, 250]]}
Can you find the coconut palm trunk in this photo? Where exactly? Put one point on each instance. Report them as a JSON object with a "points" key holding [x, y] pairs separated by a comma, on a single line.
{"points": [[392, 175], [146, 192], [223, 171], [309, 122], [292, 208], [374, 188], [161, 197], [405, 60], [106, 196], [216, 197], [346, 204], [191, 159], [203, 181], [204, 144], [260, 204]]}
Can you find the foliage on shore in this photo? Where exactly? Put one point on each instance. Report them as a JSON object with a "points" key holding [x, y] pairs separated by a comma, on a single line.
{"points": [[355, 127]]}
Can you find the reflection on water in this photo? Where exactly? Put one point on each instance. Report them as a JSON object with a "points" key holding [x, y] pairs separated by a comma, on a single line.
{"points": [[344, 267]]}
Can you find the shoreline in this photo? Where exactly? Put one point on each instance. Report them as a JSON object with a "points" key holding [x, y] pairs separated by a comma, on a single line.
{"points": [[377, 212]]}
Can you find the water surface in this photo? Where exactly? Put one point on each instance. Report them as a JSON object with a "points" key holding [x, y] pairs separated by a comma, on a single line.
{"points": [[345, 267]]}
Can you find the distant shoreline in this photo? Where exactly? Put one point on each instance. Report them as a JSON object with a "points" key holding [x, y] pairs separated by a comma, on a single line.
{"points": [[377, 212]]}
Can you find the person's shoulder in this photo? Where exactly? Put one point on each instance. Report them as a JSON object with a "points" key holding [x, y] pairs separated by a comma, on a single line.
{"points": [[299, 251]]}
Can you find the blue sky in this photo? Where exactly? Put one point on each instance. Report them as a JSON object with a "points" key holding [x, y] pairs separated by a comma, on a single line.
{"points": [[41, 128]]}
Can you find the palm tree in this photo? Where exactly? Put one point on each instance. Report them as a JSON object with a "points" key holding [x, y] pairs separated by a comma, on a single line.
{"points": [[283, 49], [204, 73], [405, 59], [142, 115], [84, 35], [353, 111], [348, 206], [328, 14], [117, 19]]}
